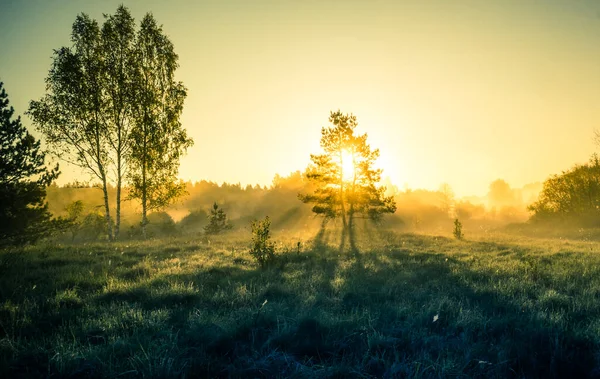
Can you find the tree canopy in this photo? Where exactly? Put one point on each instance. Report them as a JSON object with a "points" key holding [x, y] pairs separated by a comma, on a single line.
{"points": [[574, 194], [158, 138]]}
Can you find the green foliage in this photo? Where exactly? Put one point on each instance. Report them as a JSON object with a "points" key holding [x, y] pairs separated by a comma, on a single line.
{"points": [[118, 48], [158, 138], [75, 217], [160, 224], [217, 221], [457, 232], [92, 226], [84, 226], [194, 222], [336, 195], [72, 114], [573, 195], [112, 105], [24, 215], [263, 249]]}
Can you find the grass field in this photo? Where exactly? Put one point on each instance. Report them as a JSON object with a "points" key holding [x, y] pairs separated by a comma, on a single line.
{"points": [[403, 305]]}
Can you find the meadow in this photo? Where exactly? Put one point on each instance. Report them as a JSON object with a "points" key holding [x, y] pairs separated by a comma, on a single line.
{"points": [[400, 305]]}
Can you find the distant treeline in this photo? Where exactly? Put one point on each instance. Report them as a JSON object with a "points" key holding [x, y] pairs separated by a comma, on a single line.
{"points": [[418, 209]]}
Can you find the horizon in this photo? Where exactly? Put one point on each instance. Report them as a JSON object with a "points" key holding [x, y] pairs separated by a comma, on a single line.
{"points": [[462, 94]]}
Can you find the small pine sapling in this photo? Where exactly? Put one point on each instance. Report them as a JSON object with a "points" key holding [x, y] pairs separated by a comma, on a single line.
{"points": [[217, 221], [458, 234]]}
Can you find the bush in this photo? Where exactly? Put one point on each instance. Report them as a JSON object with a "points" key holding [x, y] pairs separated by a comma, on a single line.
{"points": [[160, 224], [194, 222], [263, 249], [92, 226]]}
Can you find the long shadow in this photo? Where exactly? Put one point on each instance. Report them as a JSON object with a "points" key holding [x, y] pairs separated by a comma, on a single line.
{"points": [[321, 238], [530, 345], [378, 319]]}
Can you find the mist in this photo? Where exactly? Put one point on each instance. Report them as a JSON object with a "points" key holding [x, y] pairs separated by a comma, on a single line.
{"points": [[419, 210]]}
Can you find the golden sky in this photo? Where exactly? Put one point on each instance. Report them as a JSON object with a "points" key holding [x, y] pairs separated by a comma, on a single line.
{"points": [[462, 92]]}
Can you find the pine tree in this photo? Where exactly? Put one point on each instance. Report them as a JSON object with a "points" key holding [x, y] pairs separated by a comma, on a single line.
{"points": [[24, 215], [457, 230], [346, 182], [217, 221]]}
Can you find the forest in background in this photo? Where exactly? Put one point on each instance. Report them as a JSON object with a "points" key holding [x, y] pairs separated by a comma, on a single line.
{"points": [[418, 210]]}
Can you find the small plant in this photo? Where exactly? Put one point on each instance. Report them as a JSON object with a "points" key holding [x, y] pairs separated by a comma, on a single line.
{"points": [[217, 221], [263, 249], [458, 234]]}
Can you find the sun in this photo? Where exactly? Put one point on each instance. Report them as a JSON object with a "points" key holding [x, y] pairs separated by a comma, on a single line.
{"points": [[348, 169]]}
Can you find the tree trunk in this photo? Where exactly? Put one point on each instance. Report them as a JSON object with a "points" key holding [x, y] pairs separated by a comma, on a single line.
{"points": [[351, 236], [144, 217], [144, 197], [106, 208], [343, 206], [118, 215]]}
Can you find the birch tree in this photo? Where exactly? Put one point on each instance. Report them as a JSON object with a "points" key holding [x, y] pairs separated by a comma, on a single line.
{"points": [[158, 138]]}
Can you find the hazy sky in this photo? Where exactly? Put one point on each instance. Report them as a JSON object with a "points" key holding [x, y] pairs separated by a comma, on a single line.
{"points": [[462, 92]]}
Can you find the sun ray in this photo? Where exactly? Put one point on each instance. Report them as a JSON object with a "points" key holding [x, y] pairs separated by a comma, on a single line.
{"points": [[348, 169]]}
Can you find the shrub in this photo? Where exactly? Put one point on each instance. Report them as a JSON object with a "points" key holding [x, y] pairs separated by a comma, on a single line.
{"points": [[263, 249], [458, 230], [194, 222]]}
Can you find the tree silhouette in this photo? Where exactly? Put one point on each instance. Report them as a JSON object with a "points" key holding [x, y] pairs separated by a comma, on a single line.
{"points": [[159, 139], [344, 176], [72, 114], [24, 215]]}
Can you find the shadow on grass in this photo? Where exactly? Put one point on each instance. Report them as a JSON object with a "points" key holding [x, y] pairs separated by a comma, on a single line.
{"points": [[405, 308]]}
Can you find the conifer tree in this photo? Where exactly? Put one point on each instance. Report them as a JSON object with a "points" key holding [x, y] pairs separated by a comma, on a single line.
{"points": [[217, 221], [346, 181], [24, 215]]}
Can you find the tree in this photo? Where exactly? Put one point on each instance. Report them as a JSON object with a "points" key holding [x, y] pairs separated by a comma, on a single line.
{"points": [[446, 195], [72, 114], [157, 135], [500, 194], [457, 232], [572, 195], [112, 89], [118, 49], [345, 180], [75, 218], [217, 221], [24, 215]]}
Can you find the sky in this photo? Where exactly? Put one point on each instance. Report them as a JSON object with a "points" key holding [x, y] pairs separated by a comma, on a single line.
{"points": [[462, 92]]}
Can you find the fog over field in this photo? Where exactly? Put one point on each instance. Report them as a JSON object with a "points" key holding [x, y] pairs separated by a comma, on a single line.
{"points": [[284, 189]]}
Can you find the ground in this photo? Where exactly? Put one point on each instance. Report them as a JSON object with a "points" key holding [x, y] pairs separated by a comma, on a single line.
{"points": [[400, 305]]}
